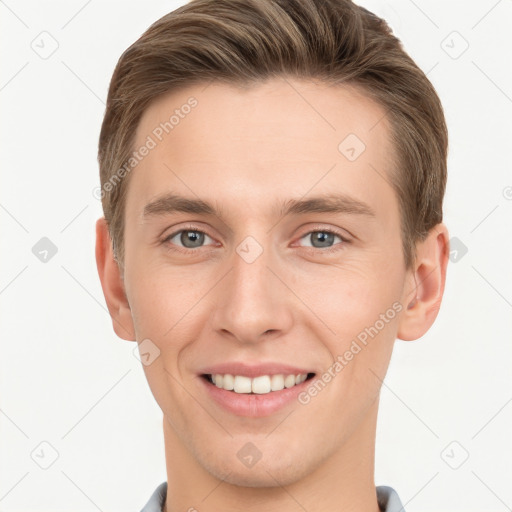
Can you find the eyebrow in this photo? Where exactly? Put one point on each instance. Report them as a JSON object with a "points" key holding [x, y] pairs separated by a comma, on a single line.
{"points": [[332, 203]]}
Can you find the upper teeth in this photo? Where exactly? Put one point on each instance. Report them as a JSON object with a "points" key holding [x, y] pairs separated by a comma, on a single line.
{"points": [[260, 385]]}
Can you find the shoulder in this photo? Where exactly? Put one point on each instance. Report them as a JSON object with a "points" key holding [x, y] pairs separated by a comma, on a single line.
{"points": [[157, 500], [388, 499]]}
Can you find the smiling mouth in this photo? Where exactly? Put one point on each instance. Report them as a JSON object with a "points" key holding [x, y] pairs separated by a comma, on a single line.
{"points": [[260, 385]]}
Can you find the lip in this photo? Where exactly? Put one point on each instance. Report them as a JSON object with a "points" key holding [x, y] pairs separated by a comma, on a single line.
{"points": [[253, 405], [253, 370]]}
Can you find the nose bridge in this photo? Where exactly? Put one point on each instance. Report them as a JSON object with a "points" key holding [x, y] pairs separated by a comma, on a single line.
{"points": [[252, 301]]}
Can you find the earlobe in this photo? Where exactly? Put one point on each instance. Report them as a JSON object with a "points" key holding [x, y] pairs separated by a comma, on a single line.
{"points": [[112, 283], [426, 285]]}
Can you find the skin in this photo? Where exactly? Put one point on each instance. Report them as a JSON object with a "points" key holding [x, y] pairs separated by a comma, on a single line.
{"points": [[246, 151]]}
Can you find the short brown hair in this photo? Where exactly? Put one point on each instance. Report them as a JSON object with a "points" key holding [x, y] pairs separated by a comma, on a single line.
{"points": [[247, 41]]}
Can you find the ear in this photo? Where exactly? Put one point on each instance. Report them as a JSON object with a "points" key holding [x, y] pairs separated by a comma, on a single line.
{"points": [[425, 285], [112, 283]]}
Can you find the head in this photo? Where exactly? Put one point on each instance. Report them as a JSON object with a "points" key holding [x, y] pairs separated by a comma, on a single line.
{"points": [[302, 154]]}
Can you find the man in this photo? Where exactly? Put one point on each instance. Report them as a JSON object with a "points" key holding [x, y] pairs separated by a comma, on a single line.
{"points": [[272, 181]]}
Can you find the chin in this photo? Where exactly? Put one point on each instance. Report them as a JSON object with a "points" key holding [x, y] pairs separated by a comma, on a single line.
{"points": [[262, 477], [271, 471]]}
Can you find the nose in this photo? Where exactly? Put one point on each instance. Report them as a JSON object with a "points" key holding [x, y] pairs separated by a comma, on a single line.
{"points": [[253, 304]]}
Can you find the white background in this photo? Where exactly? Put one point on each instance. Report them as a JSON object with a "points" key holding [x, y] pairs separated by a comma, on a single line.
{"points": [[68, 381]]}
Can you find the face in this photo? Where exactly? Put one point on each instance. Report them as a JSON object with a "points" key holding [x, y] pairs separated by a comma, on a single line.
{"points": [[262, 248]]}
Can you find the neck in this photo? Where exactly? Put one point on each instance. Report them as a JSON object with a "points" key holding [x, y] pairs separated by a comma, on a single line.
{"points": [[344, 481]]}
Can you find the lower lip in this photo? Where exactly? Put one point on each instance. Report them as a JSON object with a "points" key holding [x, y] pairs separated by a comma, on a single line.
{"points": [[253, 405]]}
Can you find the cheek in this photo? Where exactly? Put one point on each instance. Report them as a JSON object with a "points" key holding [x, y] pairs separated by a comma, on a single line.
{"points": [[360, 305], [351, 297], [163, 299]]}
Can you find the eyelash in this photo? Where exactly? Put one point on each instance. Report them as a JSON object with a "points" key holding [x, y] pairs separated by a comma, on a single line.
{"points": [[335, 248], [191, 227]]}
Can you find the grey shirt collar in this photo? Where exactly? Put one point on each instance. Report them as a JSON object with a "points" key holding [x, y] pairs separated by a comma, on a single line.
{"points": [[386, 496]]}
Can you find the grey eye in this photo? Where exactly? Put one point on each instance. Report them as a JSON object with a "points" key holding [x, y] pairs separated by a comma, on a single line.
{"points": [[190, 238], [320, 239]]}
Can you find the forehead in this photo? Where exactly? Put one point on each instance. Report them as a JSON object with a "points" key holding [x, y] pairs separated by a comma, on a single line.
{"points": [[278, 139]]}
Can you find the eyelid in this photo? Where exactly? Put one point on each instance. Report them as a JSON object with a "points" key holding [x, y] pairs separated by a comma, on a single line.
{"points": [[189, 227], [343, 234], [323, 251], [310, 229], [322, 231]]}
